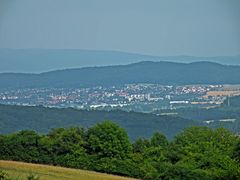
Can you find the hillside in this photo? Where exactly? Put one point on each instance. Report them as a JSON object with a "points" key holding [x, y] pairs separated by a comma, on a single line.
{"points": [[233, 102], [168, 73], [42, 60], [228, 117], [45, 172], [41, 119]]}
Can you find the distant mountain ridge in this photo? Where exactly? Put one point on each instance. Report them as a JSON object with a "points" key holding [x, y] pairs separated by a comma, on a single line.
{"points": [[43, 60], [167, 73]]}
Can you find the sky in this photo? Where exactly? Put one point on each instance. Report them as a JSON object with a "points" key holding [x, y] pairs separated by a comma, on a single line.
{"points": [[153, 27]]}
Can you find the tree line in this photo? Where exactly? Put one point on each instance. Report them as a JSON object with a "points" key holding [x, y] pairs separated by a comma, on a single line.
{"points": [[195, 153]]}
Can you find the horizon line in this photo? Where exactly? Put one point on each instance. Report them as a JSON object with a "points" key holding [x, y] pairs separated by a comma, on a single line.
{"points": [[121, 51]]}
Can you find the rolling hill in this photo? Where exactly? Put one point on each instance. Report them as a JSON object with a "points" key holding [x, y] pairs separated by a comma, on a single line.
{"points": [[41, 119], [42, 60], [167, 73]]}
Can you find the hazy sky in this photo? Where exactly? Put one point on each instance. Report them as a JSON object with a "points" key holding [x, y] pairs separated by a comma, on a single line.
{"points": [[157, 27]]}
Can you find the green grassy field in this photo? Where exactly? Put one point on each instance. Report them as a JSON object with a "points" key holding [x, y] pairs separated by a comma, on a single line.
{"points": [[22, 170]]}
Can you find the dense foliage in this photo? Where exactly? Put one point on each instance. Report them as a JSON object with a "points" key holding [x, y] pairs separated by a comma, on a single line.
{"points": [[195, 153]]}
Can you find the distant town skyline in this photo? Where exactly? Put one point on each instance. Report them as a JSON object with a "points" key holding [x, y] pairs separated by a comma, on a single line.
{"points": [[155, 27]]}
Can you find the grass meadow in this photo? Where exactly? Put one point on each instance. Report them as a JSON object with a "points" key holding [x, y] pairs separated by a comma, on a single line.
{"points": [[20, 171]]}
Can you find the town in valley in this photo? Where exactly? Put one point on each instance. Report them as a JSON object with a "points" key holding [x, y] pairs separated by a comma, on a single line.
{"points": [[129, 97]]}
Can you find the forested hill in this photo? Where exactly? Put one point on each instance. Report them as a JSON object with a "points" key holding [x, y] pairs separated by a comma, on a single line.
{"points": [[143, 72], [41, 119], [233, 102]]}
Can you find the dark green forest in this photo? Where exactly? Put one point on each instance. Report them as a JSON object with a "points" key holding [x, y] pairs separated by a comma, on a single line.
{"points": [[42, 119], [195, 153]]}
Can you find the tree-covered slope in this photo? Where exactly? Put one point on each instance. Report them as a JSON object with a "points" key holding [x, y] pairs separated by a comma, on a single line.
{"points": [[41, 119], [232, 102], [143, 72]]}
